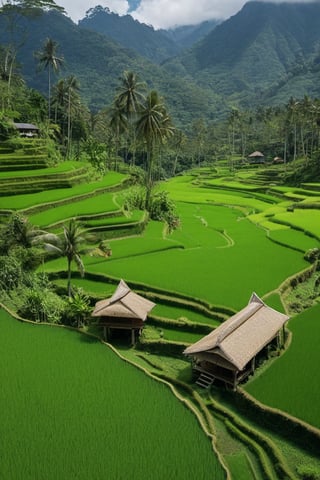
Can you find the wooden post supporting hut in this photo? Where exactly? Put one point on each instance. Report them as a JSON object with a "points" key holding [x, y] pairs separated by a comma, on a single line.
{"points": [[125, 310]]}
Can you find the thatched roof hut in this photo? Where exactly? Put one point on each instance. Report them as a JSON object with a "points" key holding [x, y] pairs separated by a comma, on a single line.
{"points": [[124, 310], [229, 351], [27, 129], [256, 157]]}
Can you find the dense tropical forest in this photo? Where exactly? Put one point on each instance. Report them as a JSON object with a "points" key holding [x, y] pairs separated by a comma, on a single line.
{"points": [[197, 195]]}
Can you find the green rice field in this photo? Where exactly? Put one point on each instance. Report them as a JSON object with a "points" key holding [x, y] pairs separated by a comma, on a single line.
{"points": [[223, 254], [77, 410], [19, 202], [103, 203], [292, 382], [63, 167], [211, 265], [70, 408]]}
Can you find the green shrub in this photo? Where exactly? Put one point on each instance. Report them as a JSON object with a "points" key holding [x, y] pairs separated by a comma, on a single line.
{"points": [[11, 272], [77, 309], [307, 472], [40, 305], [163, 209], [134, 199]]}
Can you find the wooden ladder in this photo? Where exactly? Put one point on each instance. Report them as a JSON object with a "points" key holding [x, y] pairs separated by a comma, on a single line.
{"points": [[205, 380]]}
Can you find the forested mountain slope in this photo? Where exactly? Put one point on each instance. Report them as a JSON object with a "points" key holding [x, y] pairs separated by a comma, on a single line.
{"points": [[152, 44], [185, 36], [264, 54], [98, 62], [156, 45], [264, 46]]}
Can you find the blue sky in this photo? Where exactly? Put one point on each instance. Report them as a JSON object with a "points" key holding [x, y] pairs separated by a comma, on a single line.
{"points": [[163, 13]]}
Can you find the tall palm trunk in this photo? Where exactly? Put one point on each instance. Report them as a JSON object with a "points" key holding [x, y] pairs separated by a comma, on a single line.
{"points": [[69, 260], [149, 182]]}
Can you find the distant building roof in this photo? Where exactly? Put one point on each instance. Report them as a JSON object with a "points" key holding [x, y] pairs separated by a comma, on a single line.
{"points": [[124, 303], [26, 126], [238, 339], [255, 154]]}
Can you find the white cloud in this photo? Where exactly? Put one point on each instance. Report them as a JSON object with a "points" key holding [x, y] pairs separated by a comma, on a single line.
{"points": [[76, 9], [164, 13], [170, 13]]}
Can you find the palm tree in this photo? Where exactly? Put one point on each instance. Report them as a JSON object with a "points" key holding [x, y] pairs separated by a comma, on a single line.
{"points": [[130, 93], [48, 59], [19, 231], [118, 123], [69, 246], [179, 140], [73, 101], [59, 95], [130, 99], [153, 127]]}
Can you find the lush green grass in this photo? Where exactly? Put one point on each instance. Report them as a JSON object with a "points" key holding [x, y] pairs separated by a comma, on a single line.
{"points": [[19, 202], [304, 219], [294, 239], [103, 203], [222, 269], [174, 335], [176, 313], [292, 382], [96, 289], [240, 466], [63, 167], [182, 189], [133, 217], [70, 408]]}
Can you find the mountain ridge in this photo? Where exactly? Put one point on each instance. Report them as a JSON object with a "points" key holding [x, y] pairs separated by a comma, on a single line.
{"points": [[264, 54]]}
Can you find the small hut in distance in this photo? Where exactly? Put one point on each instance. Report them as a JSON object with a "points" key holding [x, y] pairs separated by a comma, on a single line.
{"points": [[256, 157], [125, 310], [27, 129]]}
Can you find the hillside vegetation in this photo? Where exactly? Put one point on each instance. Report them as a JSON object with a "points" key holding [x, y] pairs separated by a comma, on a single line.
{"points": [[265, 54]]}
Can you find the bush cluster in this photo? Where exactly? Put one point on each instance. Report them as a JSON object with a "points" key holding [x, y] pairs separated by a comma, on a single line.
{"points": [[162, 208]]}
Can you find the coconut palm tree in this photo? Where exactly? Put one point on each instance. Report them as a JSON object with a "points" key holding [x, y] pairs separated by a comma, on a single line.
{"points": [[130, 93], [68, 245], [118, 122], [73, 102], [19, 231], [49, 60], [153, 128], [129, 100], [59, 95]]}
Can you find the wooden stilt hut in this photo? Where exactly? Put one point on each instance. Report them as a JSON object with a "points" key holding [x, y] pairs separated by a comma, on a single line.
{"points": [[256, 157], [229, 352], [125, 310]]}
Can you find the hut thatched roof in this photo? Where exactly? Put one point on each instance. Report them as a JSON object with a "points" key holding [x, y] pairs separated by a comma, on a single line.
{"points": [[242, 336], [124, 304], [26, 126], [255, 154]]}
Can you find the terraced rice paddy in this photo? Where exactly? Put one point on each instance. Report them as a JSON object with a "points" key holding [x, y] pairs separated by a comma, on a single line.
{"points": [[102, 204], [70, 408], [292, 383], [221, 253], [212, 264], [22, 202]]}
